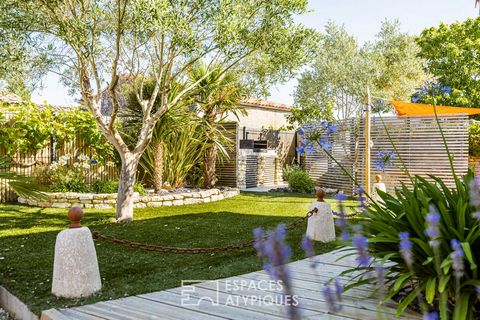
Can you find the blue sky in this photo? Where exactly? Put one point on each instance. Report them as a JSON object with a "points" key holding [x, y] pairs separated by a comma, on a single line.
{"points": [[361, 18]]}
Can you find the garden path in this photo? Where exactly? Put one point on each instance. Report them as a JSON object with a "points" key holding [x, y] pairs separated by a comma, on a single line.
{"points": [[238, 298]]}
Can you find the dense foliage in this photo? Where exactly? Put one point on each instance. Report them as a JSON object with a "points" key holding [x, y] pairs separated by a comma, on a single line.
{"points": [[474, 139], [299, 180], [417, 229], [28, 128], [78, 174], [335, 85], [451, 54]]}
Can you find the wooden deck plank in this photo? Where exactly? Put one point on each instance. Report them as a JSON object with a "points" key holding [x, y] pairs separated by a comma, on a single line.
{"points": [[164, 311], [205, 306], [358, 303]]}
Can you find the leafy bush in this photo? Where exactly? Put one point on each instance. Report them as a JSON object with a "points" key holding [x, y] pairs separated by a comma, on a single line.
{"points": [[69, 180], [288, 169], [300, 181], [111, 186], [474, 139], [435, 273], [105, 186], [140, 188]]}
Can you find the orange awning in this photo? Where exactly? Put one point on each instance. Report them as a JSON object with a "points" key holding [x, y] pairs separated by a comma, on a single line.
{"points": [[408, 109]]}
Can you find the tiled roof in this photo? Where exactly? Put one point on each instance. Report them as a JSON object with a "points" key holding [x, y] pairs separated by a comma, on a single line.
{"points": [[259, 103], [9, 97]]}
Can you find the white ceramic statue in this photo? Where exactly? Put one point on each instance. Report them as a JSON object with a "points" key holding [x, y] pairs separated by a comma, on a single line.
{"points": [[378, 185], [320, 225]]}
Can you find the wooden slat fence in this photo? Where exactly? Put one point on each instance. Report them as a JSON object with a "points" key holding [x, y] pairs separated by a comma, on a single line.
{"points": [[417, 139], [27, 163]]}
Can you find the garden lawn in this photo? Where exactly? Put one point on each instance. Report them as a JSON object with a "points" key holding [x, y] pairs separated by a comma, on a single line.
{"points": [[27, 240]]}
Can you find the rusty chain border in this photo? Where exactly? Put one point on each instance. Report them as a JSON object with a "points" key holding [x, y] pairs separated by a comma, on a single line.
{"points": [[168, 249]]}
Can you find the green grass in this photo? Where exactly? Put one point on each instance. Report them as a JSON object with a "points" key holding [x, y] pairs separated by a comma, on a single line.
{"points": [[27, 238]]}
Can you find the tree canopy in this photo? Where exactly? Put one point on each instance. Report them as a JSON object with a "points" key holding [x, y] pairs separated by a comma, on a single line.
{"points": [[94, 44], [452, 54], [335, 85]]}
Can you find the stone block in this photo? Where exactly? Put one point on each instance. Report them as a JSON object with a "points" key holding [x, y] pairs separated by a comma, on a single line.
{"points": [[167, 197], [102, 206], [140, 205], [154, 204], [167, 203], [217, 197], [178, 196], [87, 205], [86, 196], [205, 200], [61, 205], [178, 202], [192, 201], [196, 195]]}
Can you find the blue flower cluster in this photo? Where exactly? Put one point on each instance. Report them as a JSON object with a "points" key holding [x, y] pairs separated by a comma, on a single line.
{"points": [[333, 296], [430, 89], [384, 160], [320, 136]]}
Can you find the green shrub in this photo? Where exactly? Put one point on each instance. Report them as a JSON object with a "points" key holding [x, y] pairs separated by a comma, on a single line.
{"points": [[140, 188], [105, 186], [69, 180], [431, 274], [474, 139], [289, 169], [300, 181]]}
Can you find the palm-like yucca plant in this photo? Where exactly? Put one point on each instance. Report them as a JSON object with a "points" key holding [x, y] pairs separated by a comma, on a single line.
{"points": [[218, 95], [22, 185], [175, 119]]}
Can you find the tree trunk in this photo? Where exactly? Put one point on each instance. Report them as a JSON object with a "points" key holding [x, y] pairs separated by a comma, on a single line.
{"points": [[209, 176], [157, 175], [125, 188]]}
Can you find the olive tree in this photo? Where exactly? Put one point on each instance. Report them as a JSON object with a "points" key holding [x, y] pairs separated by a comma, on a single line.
{"points": [[95, 43]]}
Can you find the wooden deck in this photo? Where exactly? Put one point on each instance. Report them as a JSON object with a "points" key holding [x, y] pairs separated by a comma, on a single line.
{"points": [[241, 297]]}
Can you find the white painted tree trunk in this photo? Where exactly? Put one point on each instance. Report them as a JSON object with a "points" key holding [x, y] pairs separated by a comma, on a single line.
{"points": [[125, 187]]}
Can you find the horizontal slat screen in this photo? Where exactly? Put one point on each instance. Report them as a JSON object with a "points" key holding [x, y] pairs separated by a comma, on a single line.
{"points": [[418, 142]]}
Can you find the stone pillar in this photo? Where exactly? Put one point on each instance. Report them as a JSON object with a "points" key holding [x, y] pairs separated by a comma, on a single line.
{"points": [[75, 266], [260, 170], [242, 171]]}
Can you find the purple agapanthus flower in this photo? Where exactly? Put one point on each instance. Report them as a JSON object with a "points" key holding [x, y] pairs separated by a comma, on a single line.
{"points": [[333, 297], [275, 252], [324, 143], [380, 275], [430, 315], [307, 246], [384, 160], [432, 230], [345, 236], [341, 222], [457, 258], [361, 244], [406, 247], [94, 162], [340, 197], [475, 192]]}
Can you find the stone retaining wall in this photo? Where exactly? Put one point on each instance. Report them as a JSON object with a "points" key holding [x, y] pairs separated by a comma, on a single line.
{"points": [[108, 200]]}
